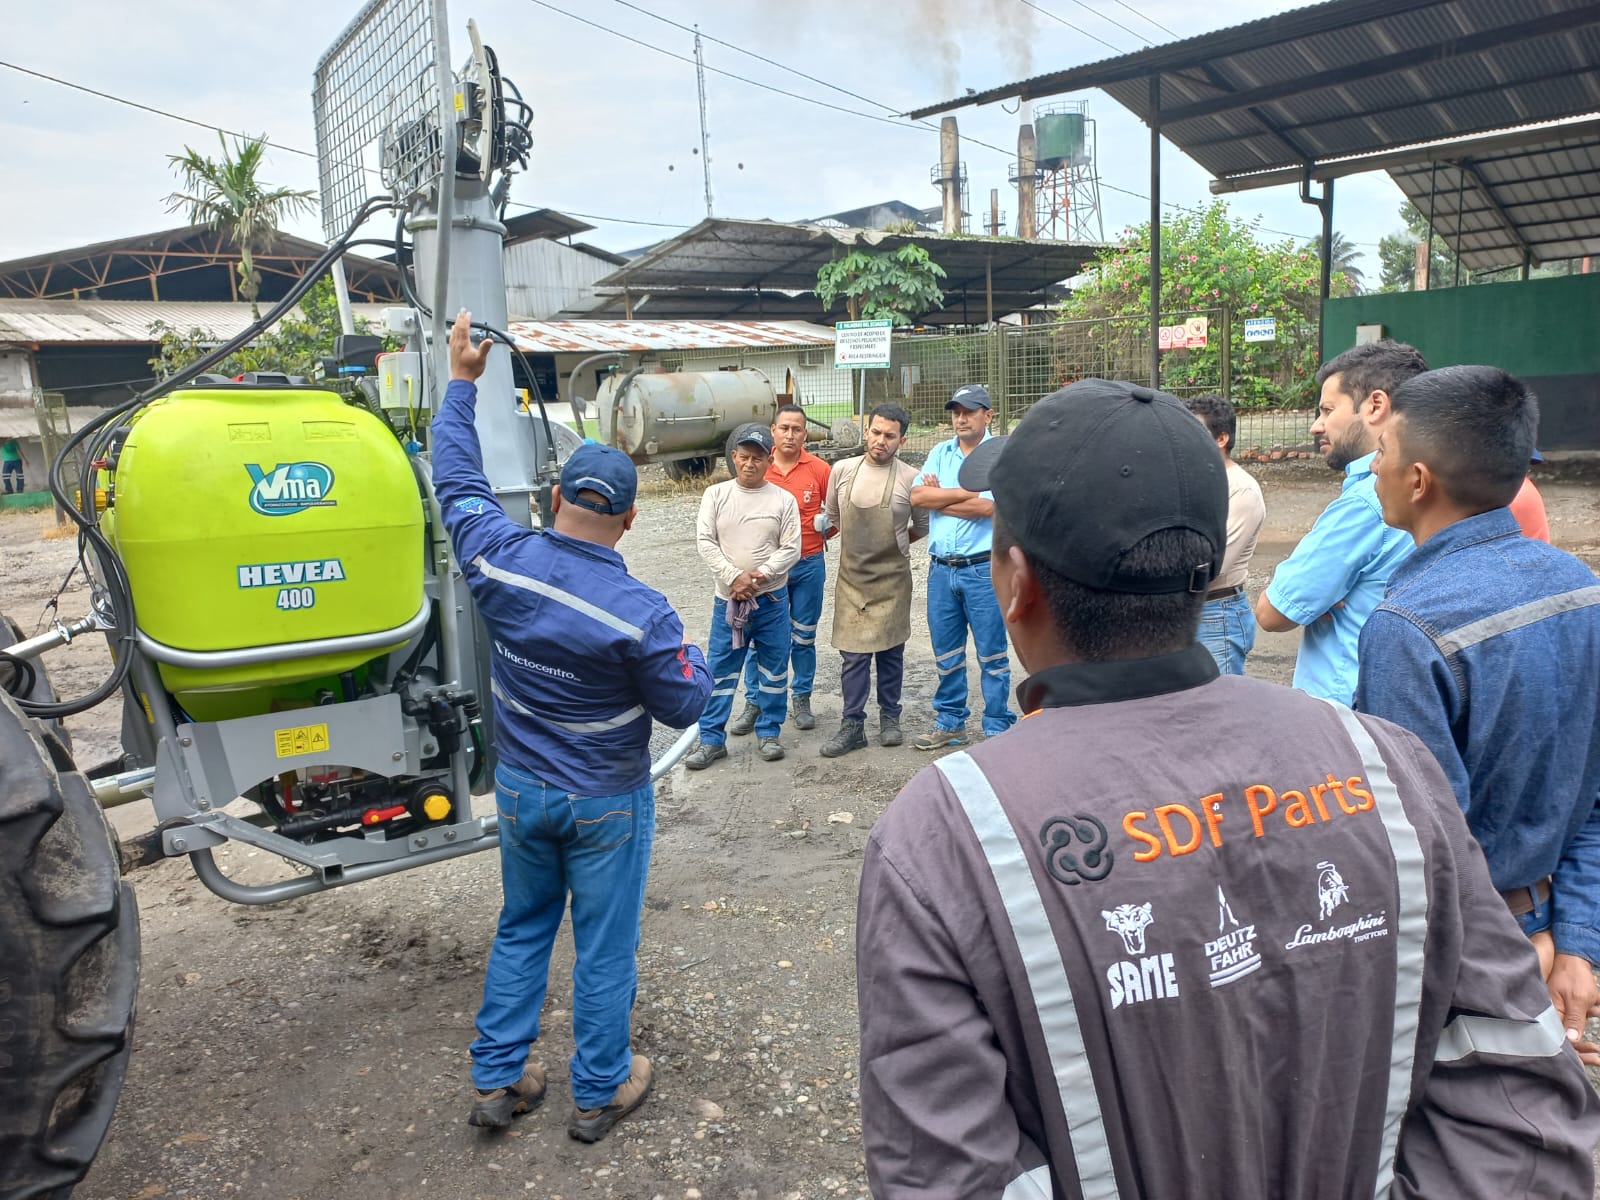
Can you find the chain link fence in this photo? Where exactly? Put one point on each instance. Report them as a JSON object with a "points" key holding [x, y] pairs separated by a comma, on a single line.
{"points": [[1271, 382]]}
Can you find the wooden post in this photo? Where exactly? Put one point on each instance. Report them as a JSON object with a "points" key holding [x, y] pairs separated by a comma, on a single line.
{"points": [[1419, 276]]}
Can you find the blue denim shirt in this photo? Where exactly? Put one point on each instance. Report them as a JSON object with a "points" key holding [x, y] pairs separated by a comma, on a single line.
{"points": [[1488, 649], [1348, 556], [581, 655], [955, 537]]}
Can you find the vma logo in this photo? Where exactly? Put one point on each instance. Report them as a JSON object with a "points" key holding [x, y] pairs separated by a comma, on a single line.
{"points": [[290, 488]]}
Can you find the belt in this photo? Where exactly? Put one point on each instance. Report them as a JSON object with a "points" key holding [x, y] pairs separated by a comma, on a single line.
{"points": [[961, 560], [1523, 900], [1226, 593]]}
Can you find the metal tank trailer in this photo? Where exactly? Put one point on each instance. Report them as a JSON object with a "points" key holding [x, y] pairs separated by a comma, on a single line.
{"points": [[682, 419]]}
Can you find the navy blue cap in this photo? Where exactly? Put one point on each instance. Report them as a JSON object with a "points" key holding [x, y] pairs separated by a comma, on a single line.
{"points": [[603, 470], [971, 395], [751, 433]]}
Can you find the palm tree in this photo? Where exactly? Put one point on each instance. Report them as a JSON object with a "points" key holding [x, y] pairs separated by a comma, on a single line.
{"points": [[225, 194], [1345, 255]]}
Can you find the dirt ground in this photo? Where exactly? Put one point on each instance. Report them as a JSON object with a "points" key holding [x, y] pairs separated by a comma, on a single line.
{"points": [[319, 1047]]}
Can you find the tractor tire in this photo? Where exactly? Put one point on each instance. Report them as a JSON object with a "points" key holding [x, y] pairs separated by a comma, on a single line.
{"points": [[69, 965], [41, 691], [680, 469]]}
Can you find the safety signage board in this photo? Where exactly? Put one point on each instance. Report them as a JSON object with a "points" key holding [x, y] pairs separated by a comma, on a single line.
{"points": [[1190, 335], [861, 343], [1261, 329]]}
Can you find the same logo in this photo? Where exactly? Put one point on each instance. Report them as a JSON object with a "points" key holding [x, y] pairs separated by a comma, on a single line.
{"points": [[290, 488]]}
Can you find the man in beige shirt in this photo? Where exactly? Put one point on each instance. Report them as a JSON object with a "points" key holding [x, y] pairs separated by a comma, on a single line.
{"points": [[749, 535], [869, 500], [1227, 622]]}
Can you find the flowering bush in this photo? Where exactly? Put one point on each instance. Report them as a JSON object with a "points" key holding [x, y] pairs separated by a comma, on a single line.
{"points": [[1211, 261]]}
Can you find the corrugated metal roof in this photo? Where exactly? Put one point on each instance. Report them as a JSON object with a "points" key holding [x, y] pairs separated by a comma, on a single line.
{"points": [[1349, 77], [119, 322], [1494, 204], [632, 337], [18, 419]]}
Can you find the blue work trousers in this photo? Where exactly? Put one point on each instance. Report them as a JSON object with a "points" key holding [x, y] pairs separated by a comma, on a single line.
{"points": [[768, 635], [806, 579], [960, 598], [552, 844], [1228, 630]]}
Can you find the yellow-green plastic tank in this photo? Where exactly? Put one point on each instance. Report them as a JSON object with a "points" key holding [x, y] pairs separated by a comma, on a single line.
{"points": [[250, 516]]}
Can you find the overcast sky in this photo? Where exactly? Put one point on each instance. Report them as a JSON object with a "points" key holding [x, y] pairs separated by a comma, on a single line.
{"points": [[616, 122]]}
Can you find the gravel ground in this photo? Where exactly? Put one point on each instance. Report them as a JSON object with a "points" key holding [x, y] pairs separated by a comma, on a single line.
{"points": [[319, 1046]]}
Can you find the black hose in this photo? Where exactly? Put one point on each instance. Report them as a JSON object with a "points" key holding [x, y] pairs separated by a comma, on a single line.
{"points": [[23, 676]]}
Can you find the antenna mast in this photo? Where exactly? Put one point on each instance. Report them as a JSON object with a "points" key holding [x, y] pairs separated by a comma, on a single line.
{"points": [[705, 136]]}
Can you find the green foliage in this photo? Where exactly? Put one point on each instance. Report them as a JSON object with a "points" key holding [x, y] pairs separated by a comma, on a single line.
{"points": [[1211, 260], [900, 286], [226, 194], [1397, 255], [293, 346], [1346, 255]]}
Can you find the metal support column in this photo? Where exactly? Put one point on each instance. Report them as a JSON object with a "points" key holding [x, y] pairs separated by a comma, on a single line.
{"points": [[1155, 230], [1324, 204]]}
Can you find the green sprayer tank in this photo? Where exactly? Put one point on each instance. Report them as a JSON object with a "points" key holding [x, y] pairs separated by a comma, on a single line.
{"points": [[250, 518]]}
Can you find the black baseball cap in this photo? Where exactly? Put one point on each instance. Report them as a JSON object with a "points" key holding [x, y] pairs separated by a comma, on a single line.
{"points": [[603, 470], [751, 434], [1095, 468], [970, 396]]}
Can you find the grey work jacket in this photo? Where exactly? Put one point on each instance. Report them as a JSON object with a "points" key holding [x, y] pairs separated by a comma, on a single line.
{"points": [[1183, 936]]}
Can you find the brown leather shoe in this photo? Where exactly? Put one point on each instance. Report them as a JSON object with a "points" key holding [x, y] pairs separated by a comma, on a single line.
{"points": [[494, 1109], [592, 1124]]}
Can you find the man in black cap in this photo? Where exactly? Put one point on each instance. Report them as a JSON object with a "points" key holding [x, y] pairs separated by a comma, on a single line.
{"points": [[749, 535], [1179, 933]]}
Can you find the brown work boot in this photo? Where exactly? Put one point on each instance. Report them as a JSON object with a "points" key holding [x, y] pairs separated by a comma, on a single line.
{"points": [[592, 1124], [745, 721], [494, 1109]]}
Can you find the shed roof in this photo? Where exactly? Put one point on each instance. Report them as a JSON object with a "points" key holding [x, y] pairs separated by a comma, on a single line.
{"points": [[739, 258], [122, 322], [575, 337], [1348, 77]]}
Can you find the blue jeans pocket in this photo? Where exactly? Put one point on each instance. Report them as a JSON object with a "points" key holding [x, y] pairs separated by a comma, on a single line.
{"points": [[601, 822], [506, 802]]}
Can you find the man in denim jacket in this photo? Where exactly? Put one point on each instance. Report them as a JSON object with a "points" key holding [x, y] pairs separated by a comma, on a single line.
{"points": [[1487, 647]]}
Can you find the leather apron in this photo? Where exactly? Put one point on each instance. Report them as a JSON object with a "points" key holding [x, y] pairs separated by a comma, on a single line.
{"points": [[872, 597]]}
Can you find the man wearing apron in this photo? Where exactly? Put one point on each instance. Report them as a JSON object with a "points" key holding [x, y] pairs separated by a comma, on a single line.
{"points": [[869, 500]]}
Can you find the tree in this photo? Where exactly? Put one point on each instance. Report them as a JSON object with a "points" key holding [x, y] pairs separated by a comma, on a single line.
{"points": [[1345, 256], [1397, 255], [226, 194], [293, 346], [900, 286], [1210, 262]]}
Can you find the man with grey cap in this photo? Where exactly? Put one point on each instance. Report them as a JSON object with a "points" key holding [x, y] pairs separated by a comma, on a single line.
{"points": [[582, 658], [1179, 933], [749, 535], [960, 592]]}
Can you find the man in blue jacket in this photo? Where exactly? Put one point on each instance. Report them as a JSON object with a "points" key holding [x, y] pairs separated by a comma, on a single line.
{"points": [[583, 657], [1487, 647]]}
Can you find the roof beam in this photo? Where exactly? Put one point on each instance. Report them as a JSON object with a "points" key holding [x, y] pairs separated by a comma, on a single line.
{"points": [[1389, 64]]}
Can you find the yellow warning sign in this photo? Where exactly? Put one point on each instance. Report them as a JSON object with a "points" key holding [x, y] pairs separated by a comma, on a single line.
{"points": [[302, 739]]}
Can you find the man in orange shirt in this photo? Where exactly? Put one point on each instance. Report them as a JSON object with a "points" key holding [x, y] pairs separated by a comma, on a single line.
{"points": [[805, 477]]}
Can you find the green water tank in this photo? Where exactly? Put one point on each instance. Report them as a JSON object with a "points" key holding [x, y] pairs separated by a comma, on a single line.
{"points": [[1060, 139], [250, 518]]}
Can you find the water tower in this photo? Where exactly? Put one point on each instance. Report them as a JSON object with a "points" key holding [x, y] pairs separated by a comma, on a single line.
{"points": [[1069, 181]]}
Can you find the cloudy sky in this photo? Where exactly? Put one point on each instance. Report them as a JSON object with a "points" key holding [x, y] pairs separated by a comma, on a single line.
{"points": [[616, 124]]}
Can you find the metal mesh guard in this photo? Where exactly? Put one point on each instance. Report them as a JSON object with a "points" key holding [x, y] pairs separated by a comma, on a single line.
{"points": [[378, 79]]}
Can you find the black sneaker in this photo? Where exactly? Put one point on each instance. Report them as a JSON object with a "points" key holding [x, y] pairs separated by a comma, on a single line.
{"points": [[592, 1124], [494, 1109]]}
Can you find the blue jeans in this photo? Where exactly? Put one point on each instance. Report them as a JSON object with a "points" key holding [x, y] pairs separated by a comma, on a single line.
{"points": [[1228, 630], [806, 578], [768, 635], [1538, 920], [959, 598], [598, 849]]}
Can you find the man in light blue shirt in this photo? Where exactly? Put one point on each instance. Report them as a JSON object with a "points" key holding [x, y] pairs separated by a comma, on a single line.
{"points": [[1336, 576], [960, 593]]}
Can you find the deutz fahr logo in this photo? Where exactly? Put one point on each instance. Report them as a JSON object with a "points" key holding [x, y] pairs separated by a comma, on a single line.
{"points": [[290, 488]]}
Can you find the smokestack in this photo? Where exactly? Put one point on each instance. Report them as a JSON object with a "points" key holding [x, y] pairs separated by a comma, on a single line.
{"points": [[1027, 174], [994, 212], [950, 173]]}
